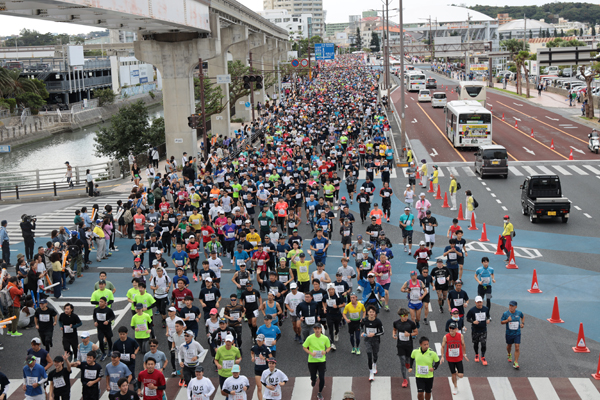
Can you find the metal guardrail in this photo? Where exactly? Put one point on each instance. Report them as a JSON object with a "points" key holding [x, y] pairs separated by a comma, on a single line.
{"points": [[56, 177]]}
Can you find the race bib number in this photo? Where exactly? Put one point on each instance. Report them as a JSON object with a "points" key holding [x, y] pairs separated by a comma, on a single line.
{"points": [[441, 280], [125, 357], [303, 269], [283, 278], [269, 341], [385, 277], [423, 254], [90, 374], [113, 386], [141, 327], [485, 280], [513, 325], [263, 223], [458, 302], [260, 361], [422, 369], [179, 262], [480, 316], [319, 354], [371, 330], [452, 256], [309, 320], [453, 352], [190, 316], [101, 317], [67, 329], [251, 298], [209, 297], [330, 302], [354, 315], [230, 235], [428, 228], [31, 380], [180, 304], [404, 337], [59, 382], [44, 317], [228, 364], [235, 316], [149, 392]]}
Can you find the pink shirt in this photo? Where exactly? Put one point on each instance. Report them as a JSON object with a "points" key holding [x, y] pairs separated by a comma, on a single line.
{"points": [[220, 222], [384, 269], [422, 206]]}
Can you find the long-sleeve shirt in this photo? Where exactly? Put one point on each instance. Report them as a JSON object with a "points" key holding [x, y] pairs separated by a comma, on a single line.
{"points": [[3, 235], [188, 351], [38, 375], [375, 327]]}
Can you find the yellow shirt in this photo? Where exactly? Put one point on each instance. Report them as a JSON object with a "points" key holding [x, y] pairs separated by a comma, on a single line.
{"points": [[353, 313], [435, 176], [470, 204], [453, 186], [99, 231], [508, 229], [196, 221], [254, 239], [424, 170]]}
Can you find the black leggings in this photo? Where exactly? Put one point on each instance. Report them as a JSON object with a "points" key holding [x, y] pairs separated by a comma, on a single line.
{"points": [[194, 264], [483, 348], [228, 247], [333, 323], [320, 368], [70, 343], [354, 331], [108, 335]]}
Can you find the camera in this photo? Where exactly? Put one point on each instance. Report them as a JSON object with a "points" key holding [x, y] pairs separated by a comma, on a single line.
{"points": [[28, 218]]}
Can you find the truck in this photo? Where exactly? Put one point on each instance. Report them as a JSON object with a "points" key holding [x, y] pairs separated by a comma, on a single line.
{"points": [[541, 196]]}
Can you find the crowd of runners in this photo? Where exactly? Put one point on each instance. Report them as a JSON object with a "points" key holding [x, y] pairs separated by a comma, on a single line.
{"points": [[324, 146]]}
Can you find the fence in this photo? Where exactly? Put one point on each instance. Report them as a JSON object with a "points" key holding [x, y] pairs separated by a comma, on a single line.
{"points": [[55, 178], [135, 90]]}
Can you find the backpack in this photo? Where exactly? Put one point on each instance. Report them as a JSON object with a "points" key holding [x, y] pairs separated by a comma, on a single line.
{"points": [[458, 186], [5, 298], [73, 250], [475, 203], [151, 198]]}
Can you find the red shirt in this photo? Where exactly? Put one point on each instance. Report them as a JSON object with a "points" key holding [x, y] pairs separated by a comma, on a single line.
{"points": [[182, 196], [138, 222], [259, 256], [362, 149], [164, 207], [179, 295], [206, 232], [453, 230], [192, 249], [156, 378], [452, 345], [422, 254]]}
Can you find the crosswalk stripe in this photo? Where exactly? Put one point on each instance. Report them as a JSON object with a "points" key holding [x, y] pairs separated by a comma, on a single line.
{"points": [[302, 389], [339, 385], [515, 171], [382, 390], [468, 171], [464, 389], [501, 388], [545, 170], [585, 388], [561, 170], [413, 388], [440, 173], [362, 175], [543, 389], [590, 168], [578, 170], [530, 170], [453, 171]]}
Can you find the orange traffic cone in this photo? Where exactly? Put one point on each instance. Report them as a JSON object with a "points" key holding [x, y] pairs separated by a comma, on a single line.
{"points": [[452, 91], [491, 108], [571, 155], [442, 85], [438, 196], [446, 88], [430, 187], [511, 262], [499, 251], [555, 319], [502, 116], [581, 347], [460, 213], [473, 226], [445, 205], [484, 234], [552, 144], [597, 374], [532, 133], [516, 124], [418, 175], [535, 288]]}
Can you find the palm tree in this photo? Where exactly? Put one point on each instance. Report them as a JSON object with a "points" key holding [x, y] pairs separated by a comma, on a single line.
{"points": [[594, 70], [520, 60], [515, 46]]}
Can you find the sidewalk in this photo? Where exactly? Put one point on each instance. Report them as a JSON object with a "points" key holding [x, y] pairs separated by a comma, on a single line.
{"points": [[547, 99]]}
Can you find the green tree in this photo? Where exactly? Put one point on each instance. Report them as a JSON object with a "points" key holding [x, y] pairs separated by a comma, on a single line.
{"points": [[515, 47], [593, 30], [105, 96], [213, 97], [580, 31], [375, 45], [520, 60], [593, 71], [358, 44], [547, 33], [128, 130]]}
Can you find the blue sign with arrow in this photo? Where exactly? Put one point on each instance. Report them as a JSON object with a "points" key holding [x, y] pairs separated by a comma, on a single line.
{"points": [[324, 51]]}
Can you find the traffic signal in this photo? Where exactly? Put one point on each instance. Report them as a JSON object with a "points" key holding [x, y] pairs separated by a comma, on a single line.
{"points": [[193, 121], [248, 79]]}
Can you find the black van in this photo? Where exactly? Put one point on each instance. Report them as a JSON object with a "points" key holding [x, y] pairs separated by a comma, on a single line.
{"points": [[491, 160]]}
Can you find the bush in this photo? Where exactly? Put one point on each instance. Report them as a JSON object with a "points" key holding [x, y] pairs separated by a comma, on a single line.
{"points": [[234, 120], [151, 94], [30, 100], [105, 96]]}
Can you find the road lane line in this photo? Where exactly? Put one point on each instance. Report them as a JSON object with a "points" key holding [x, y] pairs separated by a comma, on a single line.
{"points": [[433, 326], [453, 171], [468, 171], [442, 133], [542, 122], [488, 189], [543, 388], [502, 389], [577, 208], [438, 349], [492, 194], [585, 388], [515, 171], [504, 208], [545, 170], [561, 170], [587, 215], [578, 170], [535, 140], [590, 168], [498, 201], [530, 170]]}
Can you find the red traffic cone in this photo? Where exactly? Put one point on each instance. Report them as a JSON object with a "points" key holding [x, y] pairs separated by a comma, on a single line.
{"points": [[535, 288], [571, 155], [445, 205], [597, 374], [516, 124], [511, 262], [532, 133], [442, 85], [581, 347], [502, 116], [491, 108], [499, 251], [418, 175], [555, 319], [473, 226], [446, 88], [460, 216], [484, 234], [452, 91], [438, 196], [430, 187], [552, 144]]}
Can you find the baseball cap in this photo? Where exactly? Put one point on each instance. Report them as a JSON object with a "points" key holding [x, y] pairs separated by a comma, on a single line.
{"points": [[209, 279], [229, 338], [428, 212], [506, 217], [189, 333], [512, 303], [214, 311], [478, 299], [101, 282], [155, 262], [317, 325], [293, 285], [454, 310], [36, 340], [31, 358], [421, 243], [458, 282], [137, 259], [59, 359], [222, 321], [413, 273], [406, 208], [260, 337], [359, 236], [440, 260], [199, 368], [56, 244], [235, 368], [139, 306], [348, 396], [408, 185], [84, 334], [452, 325], [43, 301], [172, 309], [268, 316]]}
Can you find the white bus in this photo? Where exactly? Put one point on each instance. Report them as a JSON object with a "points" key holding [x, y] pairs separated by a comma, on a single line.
{"points": [[473, 90], [468, 123], [415, 81]]}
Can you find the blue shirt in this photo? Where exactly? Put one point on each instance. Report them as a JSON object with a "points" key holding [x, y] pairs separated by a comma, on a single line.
{"points": [[179, 256], [271, 332], [452, 263], [367, 290], [323, 241], [3, 235], [183, 278], [408, 220], [240, 256], [483, 273], [313, 204], [513, 328], [36, 372], [116, 373]]}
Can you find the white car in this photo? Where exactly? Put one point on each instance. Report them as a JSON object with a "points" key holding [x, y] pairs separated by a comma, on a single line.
{"points": [[424, 95], [438, 99]]}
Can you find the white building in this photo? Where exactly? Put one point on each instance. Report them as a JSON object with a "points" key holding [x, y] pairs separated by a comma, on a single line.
{"points": [[299, 26], [567, 25], [297, 7], [515, 29]]}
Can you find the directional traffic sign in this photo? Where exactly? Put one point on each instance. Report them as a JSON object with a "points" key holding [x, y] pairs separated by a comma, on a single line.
{"points": [[5, 149], [223, 79], [295, 63], [324, 51], [304, 62]]}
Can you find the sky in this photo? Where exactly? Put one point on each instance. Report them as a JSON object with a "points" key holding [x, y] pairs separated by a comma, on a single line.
{"points": [[337, 11]]}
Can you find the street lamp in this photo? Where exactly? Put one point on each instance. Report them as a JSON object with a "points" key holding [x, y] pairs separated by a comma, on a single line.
{"points": [[17, 46]]}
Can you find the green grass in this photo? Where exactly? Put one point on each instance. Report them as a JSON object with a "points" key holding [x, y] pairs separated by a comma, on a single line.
{"points": [[513, 93], [588, 119]]}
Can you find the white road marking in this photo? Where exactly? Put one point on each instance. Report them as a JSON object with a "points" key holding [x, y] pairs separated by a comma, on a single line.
{"points": [[10, 207], [517, 104], [577, 150], [339, 385], [464, 389], [484, 184], [578, 170], [438, 349], [502, 389], [587, 215], [530, 170], [577, 208], [413, 388], [561, 170], [488, 189], [553, 119], [434, 153], [545, 170], [515, 171], [303, 388], [433, 326], [585, 388], [498, 201], [565, 124], [453, 171], [517, 119], [543, 388], [492, 194], [570, 127], [381, 390], [590, 168], [468, 171], [529, 151], [504, 208]]}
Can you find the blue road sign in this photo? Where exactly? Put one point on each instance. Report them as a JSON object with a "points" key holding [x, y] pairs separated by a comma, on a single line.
{"points": [[324, 51], [247, 104], [4, 149]]}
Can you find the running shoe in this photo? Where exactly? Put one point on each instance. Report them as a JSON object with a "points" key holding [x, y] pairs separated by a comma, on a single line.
{"points": [[509, 357], [476, 358], [354, 350], [16, 334], [181, 382], [320, 396], [483, 361], [386, 308], [195, 278], [405, 383], [174, 373], [358, 351], [425, 321], [333, 347], [454, 391], [103, 357], [516, 365], [336, 337], [371, 376], [375, 367], [441, 310]]}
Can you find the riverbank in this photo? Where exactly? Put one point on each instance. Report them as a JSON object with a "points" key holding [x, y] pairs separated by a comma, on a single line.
{"points": [[37, 127]]}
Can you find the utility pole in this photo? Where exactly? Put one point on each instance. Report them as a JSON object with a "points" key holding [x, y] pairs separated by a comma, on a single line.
{"points": [[402, 124], [386, 56], [430, 39], [524, 31], [251, 88], [202, 111], [467, 63]]}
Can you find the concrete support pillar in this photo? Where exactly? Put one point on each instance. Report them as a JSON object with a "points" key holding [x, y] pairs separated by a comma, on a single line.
{"points": [[221, 123], [260, 61], [240, 52], [176, 56]]}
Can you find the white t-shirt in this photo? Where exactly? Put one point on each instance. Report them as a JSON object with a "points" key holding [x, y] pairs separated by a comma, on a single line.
{"points": [[293, 300], [215, 265]]}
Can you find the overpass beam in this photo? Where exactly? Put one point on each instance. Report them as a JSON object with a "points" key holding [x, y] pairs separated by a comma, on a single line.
{"points": [[221, 123], [176, 56]]}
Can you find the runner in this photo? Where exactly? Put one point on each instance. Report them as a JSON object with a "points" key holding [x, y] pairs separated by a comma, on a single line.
{"points": [[484, 276], [427, 282], [332, 304], [372, 331], [236, 385], [426, 361], [317, 346], [429, 224], [273, 380], [514, 321], [404, 332], [200, 388], [458, 298], [407, 220], [416, 292], [479, 317], [453, 348], [452, 254]]}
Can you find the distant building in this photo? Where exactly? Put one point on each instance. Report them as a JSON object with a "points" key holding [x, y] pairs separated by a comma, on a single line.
{"points": [[298, 26], [566, 25], [540, 43], [371, 13], [313, 7], [503, 19], [516, 28], [333, 28]]}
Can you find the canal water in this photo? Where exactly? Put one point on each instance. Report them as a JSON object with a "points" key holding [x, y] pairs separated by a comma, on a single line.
{"points": [[75, 147]]}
